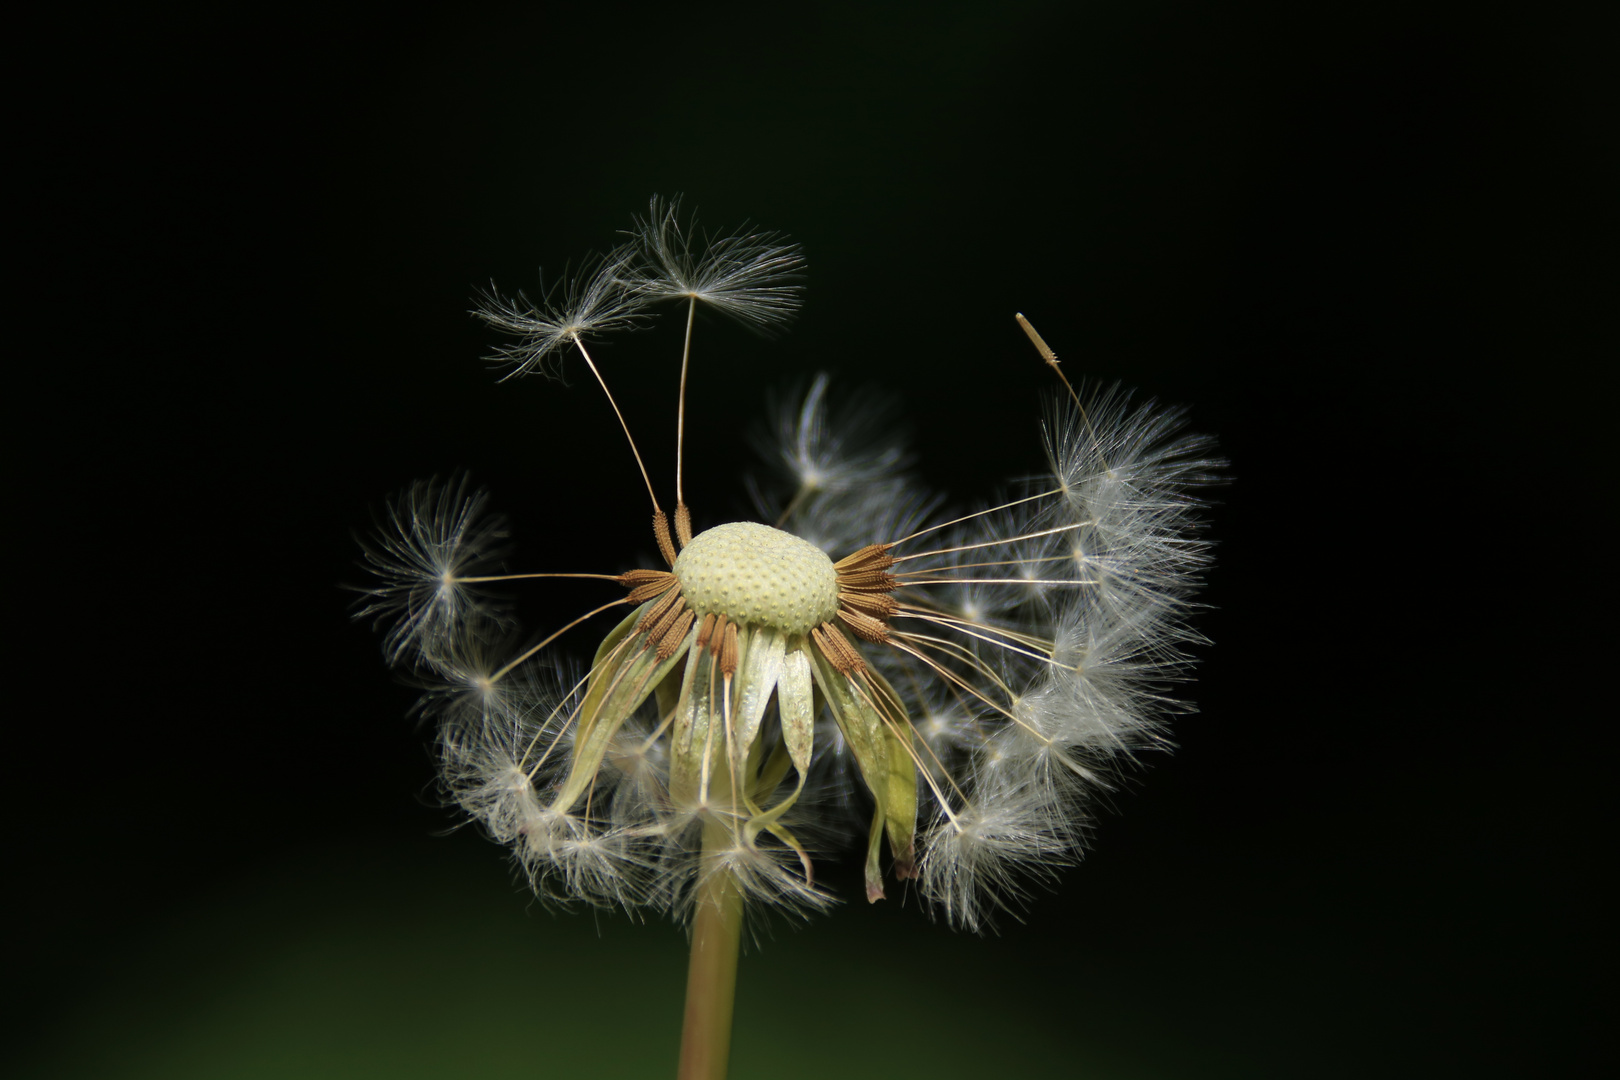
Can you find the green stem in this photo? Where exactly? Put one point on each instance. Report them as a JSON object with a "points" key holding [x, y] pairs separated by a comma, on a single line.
{"points": [[711, 977]]}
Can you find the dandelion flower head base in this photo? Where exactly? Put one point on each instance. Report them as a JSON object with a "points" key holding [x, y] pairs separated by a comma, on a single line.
{"points": [[974, 680], [756, 574]]}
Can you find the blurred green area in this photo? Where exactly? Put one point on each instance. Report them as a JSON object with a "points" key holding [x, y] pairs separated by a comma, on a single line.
{"points": [[431, 965], [424, 959]]}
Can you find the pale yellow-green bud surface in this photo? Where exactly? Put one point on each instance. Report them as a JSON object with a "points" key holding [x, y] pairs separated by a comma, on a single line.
{"points": [[754, 574]]}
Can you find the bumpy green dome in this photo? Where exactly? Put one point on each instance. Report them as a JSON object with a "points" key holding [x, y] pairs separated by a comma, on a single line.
{"points": [[755, 574]]}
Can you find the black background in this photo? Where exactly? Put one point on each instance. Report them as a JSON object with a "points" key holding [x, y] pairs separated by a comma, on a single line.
{"points": [[1371, 248]]}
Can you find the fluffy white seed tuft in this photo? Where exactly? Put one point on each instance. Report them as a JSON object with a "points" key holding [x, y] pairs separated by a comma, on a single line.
{"points": [[751, 277], [589, 302], [428, 539], [982, 862]]}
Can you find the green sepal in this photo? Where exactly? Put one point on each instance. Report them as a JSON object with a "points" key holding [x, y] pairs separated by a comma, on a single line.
{"points": [[700, 717], [796, 702], [900, 820], [598, 683], [691, 721], [623, 673], [864, 731], [758, 670], [770, 776], [795, 705]]}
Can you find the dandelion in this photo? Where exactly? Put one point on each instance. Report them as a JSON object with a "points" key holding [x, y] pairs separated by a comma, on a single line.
{"points": [[977, 679], [748, 276], [592, 300], [426, 555]]}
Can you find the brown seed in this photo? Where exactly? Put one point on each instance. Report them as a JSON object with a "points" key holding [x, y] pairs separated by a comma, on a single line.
{"points": [[646, 584], [666, 546], [672, 638], [729, 653], [837, 649], [870, 557], [667, 619], [867, 580], [865, 626], [658, 610], [878, 605]]}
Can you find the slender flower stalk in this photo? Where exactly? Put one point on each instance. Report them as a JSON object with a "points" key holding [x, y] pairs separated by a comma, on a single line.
{"points": [[956, 686], [711, 978]]}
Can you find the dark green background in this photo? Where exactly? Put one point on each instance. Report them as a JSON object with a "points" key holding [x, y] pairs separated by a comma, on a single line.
{"points": [[1371, 246]]}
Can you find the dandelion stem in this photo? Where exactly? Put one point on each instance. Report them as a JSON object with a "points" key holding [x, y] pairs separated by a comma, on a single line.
{"points": [[580, 345], [995, 542], [520, 577], [711, 976], [501, 674], [976, 513], [798, 498]]}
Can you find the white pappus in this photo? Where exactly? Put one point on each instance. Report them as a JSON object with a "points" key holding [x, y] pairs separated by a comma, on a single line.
{"points": [[975, 680]]}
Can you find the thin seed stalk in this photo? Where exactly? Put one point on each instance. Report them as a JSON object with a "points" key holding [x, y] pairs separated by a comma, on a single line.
{"points": [[711, 975]]}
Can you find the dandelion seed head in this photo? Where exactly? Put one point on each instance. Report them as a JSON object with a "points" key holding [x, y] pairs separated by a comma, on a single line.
{"points": [[753, 573], [751, 277], [949, 690]]}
